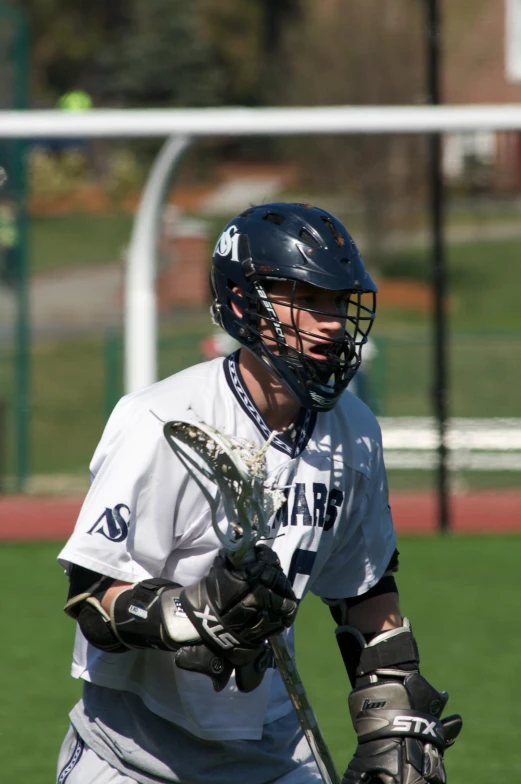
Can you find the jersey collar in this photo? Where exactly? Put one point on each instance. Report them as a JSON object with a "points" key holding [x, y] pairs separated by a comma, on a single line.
{"points": [[293, 440]]}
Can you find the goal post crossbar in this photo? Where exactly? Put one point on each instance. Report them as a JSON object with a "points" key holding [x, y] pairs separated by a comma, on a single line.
{"points": [[237, 121]]}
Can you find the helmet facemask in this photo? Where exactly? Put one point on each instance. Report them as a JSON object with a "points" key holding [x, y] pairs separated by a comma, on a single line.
{"points": [[317, 369]]}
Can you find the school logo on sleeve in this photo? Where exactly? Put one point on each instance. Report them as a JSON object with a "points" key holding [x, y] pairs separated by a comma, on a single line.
{"points": [[112, 524]]}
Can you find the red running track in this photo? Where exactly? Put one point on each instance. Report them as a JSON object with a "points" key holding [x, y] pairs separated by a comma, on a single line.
{"points": [[490, 511]]}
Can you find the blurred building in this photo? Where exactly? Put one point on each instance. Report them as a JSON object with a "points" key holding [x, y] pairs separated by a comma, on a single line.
{"points": [[482, 64], [185, 255]]}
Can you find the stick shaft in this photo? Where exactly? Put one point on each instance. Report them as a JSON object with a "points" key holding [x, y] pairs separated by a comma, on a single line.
{"points": [[305, 714], [299, 699], [281, 652]]}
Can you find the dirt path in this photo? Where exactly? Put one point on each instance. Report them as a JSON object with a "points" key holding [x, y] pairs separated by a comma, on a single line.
{"points": [[52, 518], [85, 299]]}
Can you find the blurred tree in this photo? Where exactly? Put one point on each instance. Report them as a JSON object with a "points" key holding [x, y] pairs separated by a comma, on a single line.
{"points": [[279, 16], [130, 53], [65, 38], [139, 53], [161, 57], [239, 52], [249, 38], [127, 54], [362, 52], [234, 28]]}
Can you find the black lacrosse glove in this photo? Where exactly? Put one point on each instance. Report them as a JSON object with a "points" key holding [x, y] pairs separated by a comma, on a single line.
{"points": [[401, 739], [395, 711], [234, 610]]}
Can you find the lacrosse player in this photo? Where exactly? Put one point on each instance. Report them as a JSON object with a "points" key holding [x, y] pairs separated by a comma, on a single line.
{"points": [[179, 683]]}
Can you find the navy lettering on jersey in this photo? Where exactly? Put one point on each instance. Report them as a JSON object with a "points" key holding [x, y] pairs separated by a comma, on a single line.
{"points": [[319, 503], [282, 513], [300, 506], [301, 563], [324, 510], [111, 524], [334, 501]]}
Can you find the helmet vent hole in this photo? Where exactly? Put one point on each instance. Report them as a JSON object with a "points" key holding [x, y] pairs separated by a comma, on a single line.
{"points": [[272, 217], [246, 213], [334, 231], [309, 239]]}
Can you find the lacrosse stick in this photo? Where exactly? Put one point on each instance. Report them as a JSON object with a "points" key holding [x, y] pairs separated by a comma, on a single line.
{"points": [[237, 468]]}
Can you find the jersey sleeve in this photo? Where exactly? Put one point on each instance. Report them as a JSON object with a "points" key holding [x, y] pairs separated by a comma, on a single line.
{"points": [[126, 526], [366, 537]]}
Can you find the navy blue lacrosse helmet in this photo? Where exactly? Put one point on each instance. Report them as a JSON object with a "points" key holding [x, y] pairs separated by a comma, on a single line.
{"points": [[298, 243]]}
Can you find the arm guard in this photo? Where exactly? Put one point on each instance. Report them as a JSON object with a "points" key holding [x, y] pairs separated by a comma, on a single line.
{"points": [[86, 590], [387, 584]]}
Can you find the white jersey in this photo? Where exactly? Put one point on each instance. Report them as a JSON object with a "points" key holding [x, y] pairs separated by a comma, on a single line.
{"points": [[144, 517]]}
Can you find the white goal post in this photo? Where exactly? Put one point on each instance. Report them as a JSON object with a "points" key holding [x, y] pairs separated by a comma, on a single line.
{"points": [[180, 126], [238, 121]]}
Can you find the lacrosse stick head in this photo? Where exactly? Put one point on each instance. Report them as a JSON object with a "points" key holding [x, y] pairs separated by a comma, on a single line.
{"points": [[237, 469]]}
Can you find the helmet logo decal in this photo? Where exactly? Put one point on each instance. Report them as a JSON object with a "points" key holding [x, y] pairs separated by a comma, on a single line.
{"points": [[228, 243]]}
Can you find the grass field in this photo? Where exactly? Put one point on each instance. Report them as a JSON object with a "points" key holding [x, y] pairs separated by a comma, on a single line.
{"points": [[67, 241], [462, 595]]}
